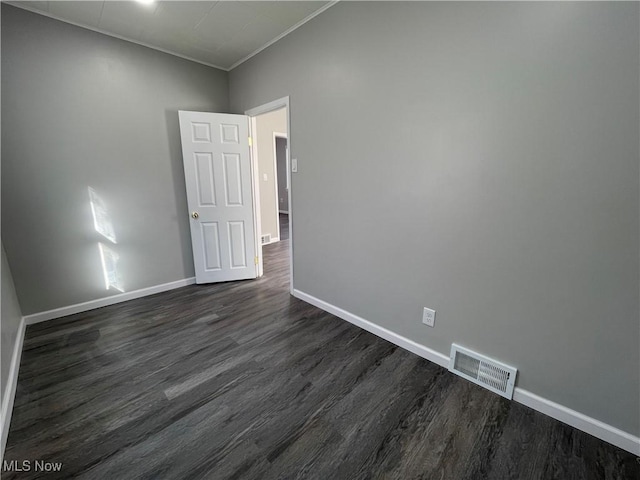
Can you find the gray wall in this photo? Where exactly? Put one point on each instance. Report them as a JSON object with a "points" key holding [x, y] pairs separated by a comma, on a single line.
{"points": [[81, 109], [483, 161], [9, 322]]}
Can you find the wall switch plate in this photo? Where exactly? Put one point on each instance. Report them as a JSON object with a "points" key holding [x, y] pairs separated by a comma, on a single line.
{"points": [[294, 165], [264, 177], [429, 317]]}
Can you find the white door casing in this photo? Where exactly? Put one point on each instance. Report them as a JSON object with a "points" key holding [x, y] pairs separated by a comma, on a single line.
{"points": [[217, 168], [253, 113]]}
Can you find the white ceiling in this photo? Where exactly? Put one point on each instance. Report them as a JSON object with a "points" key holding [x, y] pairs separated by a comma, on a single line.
{"points": [[222, 34]]}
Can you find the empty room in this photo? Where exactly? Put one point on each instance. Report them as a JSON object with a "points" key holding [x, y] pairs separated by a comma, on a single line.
{"points": [[320, 240]]}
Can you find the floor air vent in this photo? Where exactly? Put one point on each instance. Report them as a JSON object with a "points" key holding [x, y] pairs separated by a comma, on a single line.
{"points": [[266, 238], [495, 376]]}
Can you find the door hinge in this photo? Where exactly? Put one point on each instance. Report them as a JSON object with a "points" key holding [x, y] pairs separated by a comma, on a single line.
{"points": [[256, 260], [250, 142]]}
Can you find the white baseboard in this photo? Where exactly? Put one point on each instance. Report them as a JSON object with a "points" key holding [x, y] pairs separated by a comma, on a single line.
{"points": [[582, 422], [420, 350], [10, 387], [103, 302], [590, 425], [273, 240]]}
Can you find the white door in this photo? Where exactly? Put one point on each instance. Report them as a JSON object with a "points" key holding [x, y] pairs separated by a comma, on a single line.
{"points": [[217, 170]]}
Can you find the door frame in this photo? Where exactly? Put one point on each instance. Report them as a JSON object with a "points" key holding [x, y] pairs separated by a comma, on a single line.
{"points": [[277, 135], [252, 113]]}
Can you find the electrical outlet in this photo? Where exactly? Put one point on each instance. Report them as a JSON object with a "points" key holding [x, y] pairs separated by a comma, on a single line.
{"points": [[429, 317], [294, 165]]}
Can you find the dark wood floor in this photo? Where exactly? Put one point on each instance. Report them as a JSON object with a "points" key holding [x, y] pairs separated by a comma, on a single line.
{"points": [[242, 381]]}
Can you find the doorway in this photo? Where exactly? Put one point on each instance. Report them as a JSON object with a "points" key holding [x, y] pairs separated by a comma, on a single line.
{"points": [[280, 144], [270, 154]]}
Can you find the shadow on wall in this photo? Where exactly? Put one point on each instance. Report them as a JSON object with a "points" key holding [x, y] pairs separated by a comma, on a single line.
{"points": [[179, 185]]}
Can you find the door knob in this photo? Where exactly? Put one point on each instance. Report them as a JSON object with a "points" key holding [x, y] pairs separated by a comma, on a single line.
{"points": [[195, 215]]}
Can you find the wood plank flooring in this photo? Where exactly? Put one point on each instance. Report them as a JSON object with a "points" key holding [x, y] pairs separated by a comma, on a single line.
{"points": [[242, 381]]}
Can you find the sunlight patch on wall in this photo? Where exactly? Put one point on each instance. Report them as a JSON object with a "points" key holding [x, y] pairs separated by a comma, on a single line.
{"points": [[109, 260], [109, 257], [101, 219]]}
